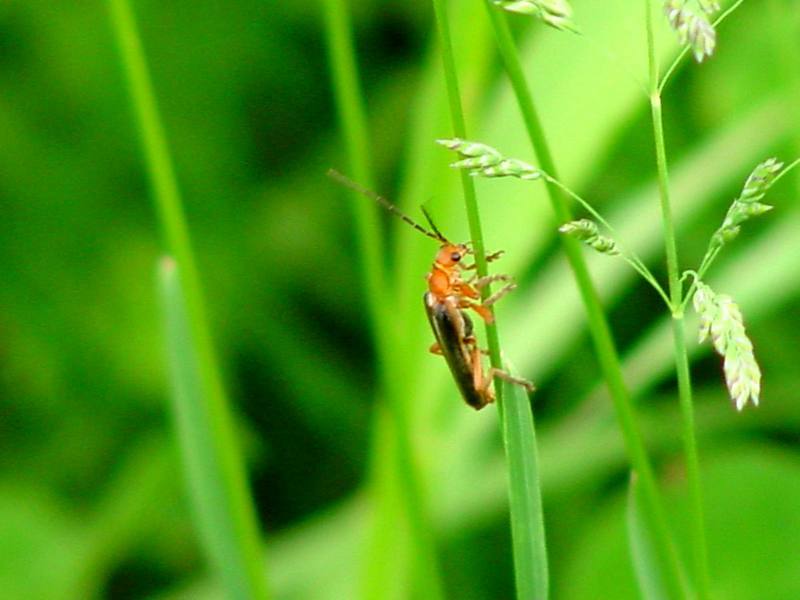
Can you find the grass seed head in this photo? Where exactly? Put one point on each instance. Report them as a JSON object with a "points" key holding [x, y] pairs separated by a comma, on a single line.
{"points": [[748, 204], [555, 13], [692, 27], [587, 232], [485, 161], [721, 320]]}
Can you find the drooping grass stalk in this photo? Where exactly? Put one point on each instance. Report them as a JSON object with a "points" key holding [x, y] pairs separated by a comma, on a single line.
{"points": [[482, 159], [514, 408], [213, 458], [599, 329], [698, 538], [379, 551]]}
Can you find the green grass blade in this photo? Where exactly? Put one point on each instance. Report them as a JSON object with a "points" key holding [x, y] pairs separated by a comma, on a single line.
{"points": [[604, 344], [652, 583], [525, 500], [213, 459], [406, 494], [525, 495], [525, 503], [212, 462]]}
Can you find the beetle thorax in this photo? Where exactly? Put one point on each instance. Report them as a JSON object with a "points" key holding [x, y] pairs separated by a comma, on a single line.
{"points": [[444, 278]]}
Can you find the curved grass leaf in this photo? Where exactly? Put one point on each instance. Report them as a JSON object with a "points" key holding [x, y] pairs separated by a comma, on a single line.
{"points": [[217, 480], [525, 495], [212, 461], [652, 584]]}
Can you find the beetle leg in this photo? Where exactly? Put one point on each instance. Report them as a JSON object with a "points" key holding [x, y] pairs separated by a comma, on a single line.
{"points": [[524, 383], [482, 282], [494, 255], [489, 258], [482, 384], [482, 310], [499, 294], [435, 349], [464, 288]]}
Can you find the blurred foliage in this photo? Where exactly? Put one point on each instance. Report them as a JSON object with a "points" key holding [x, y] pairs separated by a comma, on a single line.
{"points": [[91, 500]]}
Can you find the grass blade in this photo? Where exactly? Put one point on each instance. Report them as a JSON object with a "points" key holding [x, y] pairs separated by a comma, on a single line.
{"points": [[213, 465], [384, 538], [525, 496], [652, 583], [605, 346], [525, 502], [213, 460]]}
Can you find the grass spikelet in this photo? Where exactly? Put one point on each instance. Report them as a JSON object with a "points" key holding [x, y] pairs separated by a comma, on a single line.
{"points": [[693, 27], [709, 6], [481, 159], [587, 232], [721, 320], [748, 204], [555, 13]]}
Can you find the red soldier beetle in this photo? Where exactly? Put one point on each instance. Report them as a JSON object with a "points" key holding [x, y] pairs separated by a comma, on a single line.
{"points": [[446, 301]]}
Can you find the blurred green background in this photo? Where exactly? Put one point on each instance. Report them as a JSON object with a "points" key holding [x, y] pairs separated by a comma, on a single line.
{"points": [[92, 501]]}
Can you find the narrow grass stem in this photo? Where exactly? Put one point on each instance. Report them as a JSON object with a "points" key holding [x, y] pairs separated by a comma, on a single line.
{"points": [[351, 115], [579, 199], [785, 171], [698, 539], [628, 256], [715, 246], [234, 546], [699, 550], [708, 259], [514, 408], [599, 329], [640, 268]]}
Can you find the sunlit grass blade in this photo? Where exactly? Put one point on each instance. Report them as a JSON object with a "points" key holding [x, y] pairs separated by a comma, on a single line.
{"points": [[652, 584], [212, 460], [525, 495], [604, 344], [525, 503]]}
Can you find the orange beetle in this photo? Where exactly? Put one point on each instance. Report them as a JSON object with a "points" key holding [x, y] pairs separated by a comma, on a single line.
{"points": [[447, 298]]}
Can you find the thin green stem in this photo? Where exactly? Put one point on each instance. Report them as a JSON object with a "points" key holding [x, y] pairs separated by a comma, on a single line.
{"points": [[699, 550], [234, 546], [786, 170], [686, 49], [714, 246], [514, 407], [640, 268], [627, 255], [599, 329], [575, 196], [708, 259], [352, 120]]}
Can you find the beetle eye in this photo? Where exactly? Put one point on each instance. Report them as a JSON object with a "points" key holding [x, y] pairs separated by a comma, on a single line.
{"points": [[455, 256]]}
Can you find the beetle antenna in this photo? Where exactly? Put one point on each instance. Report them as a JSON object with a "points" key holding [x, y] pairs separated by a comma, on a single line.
{"points": [[349, 183], [438, 233]]}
